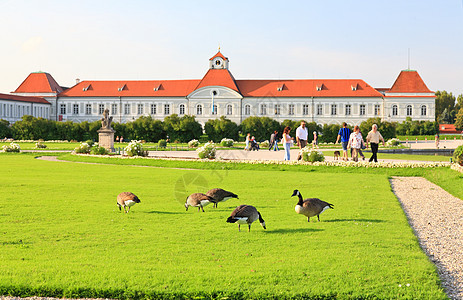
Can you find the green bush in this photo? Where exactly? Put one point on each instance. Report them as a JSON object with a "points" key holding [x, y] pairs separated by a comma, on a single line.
{"points": [[387, 129], [39, 145], [207, 151], [83, 148], [226, 142], [217, 129], [134, 148], [259, 127], [458, 155], [5, 130], [310, 155], [98, 150], [13, 147], [162, 143], [183, 129], [193, 144]]}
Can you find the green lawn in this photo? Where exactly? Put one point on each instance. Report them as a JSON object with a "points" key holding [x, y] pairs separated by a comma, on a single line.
{"points": [[62, 235]]}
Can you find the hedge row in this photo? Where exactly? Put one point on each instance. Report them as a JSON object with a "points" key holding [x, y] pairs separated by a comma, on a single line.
{"points": [[186, 128]]}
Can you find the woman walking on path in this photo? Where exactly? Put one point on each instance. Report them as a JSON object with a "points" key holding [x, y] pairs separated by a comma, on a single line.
{"points": [[355, 142], [287, 141], [373, 138], [248, 140]]}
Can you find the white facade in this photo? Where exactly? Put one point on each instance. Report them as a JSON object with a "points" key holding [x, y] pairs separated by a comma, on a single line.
{"points": [[12, 110]]}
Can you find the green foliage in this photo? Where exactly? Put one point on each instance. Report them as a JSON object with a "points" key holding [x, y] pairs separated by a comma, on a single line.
{"points": [[312, 155], [182, 129], [260, 127], [458, 155], [217, 129], [459, 120], [444, 101], [39, 145], [207, 151], [410, 127], [13, 147], [98, 150], [162, 143], [387, 129], [145, 128], [134, 148], [329, 133], [83, 148], [226, 142], [5, 130]]}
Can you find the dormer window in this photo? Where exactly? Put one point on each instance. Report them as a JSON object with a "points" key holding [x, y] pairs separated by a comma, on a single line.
{"points": [[88, 87], [281, 87], [122, 88], [158, 87], [320, 87], [354, 87]]}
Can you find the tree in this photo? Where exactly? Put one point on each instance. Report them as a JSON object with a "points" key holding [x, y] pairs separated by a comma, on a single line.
{"points": [[387, 129], [217, 129], [459, 119], [5, 130], [444, 101], [145, 128], [329, 133], [182, 129], [259, 127]]}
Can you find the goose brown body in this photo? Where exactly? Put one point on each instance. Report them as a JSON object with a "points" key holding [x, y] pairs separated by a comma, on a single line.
{"points": [[246, 214], [310, 207], [220, 195], [198, 200], [126, 200]]}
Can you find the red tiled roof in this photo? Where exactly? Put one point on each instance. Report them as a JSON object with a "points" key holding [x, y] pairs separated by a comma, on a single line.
{"points": [[307, 88], [218, 77], [145, 88], [23, 98], [409, 81], [39, 82], [448, 128], [218, 54]]}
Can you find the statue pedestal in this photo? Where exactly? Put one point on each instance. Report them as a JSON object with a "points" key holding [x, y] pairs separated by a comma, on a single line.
{"points": [[106, 138]]}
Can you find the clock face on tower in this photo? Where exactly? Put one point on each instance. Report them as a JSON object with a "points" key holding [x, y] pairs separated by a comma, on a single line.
{"points": [[218, 63]]}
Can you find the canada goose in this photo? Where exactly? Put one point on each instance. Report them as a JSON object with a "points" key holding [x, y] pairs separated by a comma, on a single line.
{"points": [[126, 199], [220, 195], [245, 214], [198, 200], [310, 207]]}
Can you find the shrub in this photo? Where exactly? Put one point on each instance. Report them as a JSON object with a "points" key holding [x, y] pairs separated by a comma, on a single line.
{"points": [[13, 147], [458, 155], [193, 143], [83, 148], [134, 148], [207, 151], [393, 142], [227, 142], [310, 155], [265, 144], [98, 150], [90, 142], [162, 143], [217, 129], [39, 145]]}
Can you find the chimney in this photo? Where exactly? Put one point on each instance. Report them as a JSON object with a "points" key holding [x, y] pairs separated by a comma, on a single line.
{"points": [[77, 80]]}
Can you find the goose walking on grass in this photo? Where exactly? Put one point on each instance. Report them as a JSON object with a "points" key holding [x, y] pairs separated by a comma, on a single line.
{"points": [[198, 200], [245, 214], [126, 200], [220, 195], [310, 207]]}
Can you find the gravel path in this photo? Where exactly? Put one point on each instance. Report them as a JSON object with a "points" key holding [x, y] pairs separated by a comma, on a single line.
{"points": [[437, 219]]}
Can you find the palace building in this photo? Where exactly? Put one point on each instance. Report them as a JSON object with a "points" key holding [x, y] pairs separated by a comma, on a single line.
{"points": [[218, 93]]}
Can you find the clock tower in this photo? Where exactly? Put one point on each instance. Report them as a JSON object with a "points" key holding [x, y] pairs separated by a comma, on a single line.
{"points": [[218, 61]]}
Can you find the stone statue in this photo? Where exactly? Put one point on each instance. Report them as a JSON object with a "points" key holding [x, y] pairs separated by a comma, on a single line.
{"points": [[106, 120]]}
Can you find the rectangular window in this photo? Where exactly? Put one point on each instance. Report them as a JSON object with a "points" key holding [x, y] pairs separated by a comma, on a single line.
{"points": [[291, 109], [126, 109], [140, 109], [277, 109], [75, 109], [348, 109], [100, 109], [153, 109], [362, 109], [62, 109], [377, 109], [319, 109], [88, 109], [114, 109], [167, 109], [334, 109], [263, 109], [305, 109]]}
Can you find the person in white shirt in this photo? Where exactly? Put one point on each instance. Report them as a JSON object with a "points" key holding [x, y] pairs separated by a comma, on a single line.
{"points": [[302, 135], [287, 141], [373, 138], [355, 142]]}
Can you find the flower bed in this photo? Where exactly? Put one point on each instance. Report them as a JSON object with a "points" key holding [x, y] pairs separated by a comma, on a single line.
{"points": [[193, 144], [457, 168], [226, 142], [13, 147], [134, 148], [207, 151]]}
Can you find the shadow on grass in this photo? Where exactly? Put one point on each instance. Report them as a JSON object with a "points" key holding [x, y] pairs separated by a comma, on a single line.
{"points": [[354, 220], [164, 212], [293, 230]]}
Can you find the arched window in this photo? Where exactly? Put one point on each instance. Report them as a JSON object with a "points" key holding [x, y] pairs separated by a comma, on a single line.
{"points": [[199, 109], [214, 110], [229, 109], [395, 110], [409, 110], [181, 109], [423, 110], [247, 109]]}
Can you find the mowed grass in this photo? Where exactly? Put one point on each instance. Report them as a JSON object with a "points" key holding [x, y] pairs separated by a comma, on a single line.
{"points": [[62, 235]]}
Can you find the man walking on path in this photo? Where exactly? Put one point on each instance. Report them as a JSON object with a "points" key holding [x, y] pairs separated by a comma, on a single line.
{"points": [[302, 135], [373, 138], [344, 134]]}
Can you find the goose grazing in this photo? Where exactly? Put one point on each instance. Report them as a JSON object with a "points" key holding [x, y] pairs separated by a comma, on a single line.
{"points": [[245, 214], [126, 199], [220, 195], [198, 200], [310, 207]]}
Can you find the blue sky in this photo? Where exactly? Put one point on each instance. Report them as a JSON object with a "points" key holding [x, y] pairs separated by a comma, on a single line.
{"points": [[104, 40]]}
